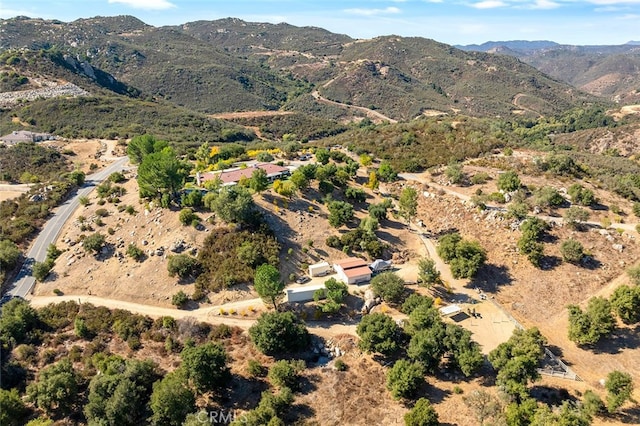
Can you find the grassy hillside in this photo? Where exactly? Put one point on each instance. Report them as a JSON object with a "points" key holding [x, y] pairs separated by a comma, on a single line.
{"points": [[231, 65]]}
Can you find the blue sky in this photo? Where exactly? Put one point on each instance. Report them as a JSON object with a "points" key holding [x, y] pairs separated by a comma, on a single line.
{"points": [[451, 22]]}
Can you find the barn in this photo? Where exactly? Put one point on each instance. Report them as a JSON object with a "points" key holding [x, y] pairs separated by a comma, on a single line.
{"points": [[352, 270]]}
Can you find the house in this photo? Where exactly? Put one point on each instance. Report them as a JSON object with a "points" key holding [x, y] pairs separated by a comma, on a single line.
{"points": [[302, 294], [233, 176], [25, 136], [352, 270]]}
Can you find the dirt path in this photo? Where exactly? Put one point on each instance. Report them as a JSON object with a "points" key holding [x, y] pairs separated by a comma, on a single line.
{"points": [[209, 315], [375, 116], [493, 326], [9, 191], [249, 114]]}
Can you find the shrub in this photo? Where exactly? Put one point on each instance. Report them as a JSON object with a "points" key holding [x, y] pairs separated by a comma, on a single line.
{"points": [[93, 242], [572, 250], [102, 212], [340, 365], [41, 270], [422, 414], [256, 369], [135, 252], [187, 216], [286, 373], [183, 265], [480, 178], [509, 181], [378, 334], [179, 299]]}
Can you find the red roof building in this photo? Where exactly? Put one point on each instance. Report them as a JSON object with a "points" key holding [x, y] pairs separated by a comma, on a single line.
{"points": [[232, 177], [352, 270]]}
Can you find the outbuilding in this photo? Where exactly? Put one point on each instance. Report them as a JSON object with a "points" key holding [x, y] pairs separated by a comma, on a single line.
{"points": [[302, 294], [352, 270], [319, 269]]}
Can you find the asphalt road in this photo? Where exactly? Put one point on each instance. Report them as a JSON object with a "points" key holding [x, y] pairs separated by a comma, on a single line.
{"points": [[24, 282]]}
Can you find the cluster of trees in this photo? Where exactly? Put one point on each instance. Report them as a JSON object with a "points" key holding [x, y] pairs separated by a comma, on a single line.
{"points": [[90, 385], [429, 340], [465, 257], [589, 326], [529, 244]]}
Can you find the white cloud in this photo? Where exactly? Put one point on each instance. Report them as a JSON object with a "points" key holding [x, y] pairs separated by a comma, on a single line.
{"points": [[146, 4], [489, 4], [614, 2], [373, 12], [545, 4]]}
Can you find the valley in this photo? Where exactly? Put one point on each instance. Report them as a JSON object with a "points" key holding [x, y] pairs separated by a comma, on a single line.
{"points": [[198, 174]]}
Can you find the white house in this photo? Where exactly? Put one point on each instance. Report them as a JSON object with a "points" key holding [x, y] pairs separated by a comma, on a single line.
{"points": [[352, 270]]}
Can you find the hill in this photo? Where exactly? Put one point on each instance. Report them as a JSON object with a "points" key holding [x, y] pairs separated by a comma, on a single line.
{"points": [[231, 65], [612, 72]]}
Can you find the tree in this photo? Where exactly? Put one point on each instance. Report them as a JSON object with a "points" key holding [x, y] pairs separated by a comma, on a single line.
{"points": [[120, 394], [469, 258], [625, 301], [299, 179], [580, 195], [183, 265], [161, 173], [428, 275], [427, 347], [141, 146], [233, 204], [285, 373], [408, 203], [17, 319], [483, 404], [378, 333], [9, 254], [404, 378], [206, 366], [517, 359], [465, 257], [41, 270], [56, 389], [386, 173], [372, 183], [454, 173], [259, 180], [334, 292], [12, 408], [413, 301], [179, 299], [619, 387], [93, 243], [322, 155], [509, 181], [575, 216], [572, 250], [279, 332], [389, 286], [268, 284], [548, 196], [340, 212], [596, 322], [171, 400], [422, 414]]}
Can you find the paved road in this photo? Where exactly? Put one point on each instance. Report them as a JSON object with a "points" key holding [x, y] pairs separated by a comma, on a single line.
{"points": [[24, 282]]}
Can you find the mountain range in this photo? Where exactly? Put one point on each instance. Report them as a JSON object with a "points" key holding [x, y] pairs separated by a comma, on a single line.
{"points": [[207, 67]]}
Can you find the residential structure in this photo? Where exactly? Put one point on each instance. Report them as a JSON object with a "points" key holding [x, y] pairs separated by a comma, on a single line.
{"points": [[233, 176], [352, 270], [25, 136]]}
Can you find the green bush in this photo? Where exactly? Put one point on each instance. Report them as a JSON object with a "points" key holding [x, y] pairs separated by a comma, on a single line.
{"points": [[286, 373], [572, 250]]}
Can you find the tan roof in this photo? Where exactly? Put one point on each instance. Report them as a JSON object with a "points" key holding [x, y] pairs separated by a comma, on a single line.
{"points": [[350, 262], [357, 271]]}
